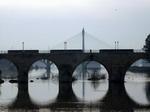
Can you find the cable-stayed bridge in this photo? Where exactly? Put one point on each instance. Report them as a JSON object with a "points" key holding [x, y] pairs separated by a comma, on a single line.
{"points": [[90, 42]]}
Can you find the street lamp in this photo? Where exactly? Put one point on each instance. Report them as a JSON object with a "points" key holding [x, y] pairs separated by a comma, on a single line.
{"points": [[65, 45], [117, 44], [23, 46]]}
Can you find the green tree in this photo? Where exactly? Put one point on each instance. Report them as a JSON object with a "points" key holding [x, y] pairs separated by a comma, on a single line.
{"points": [[146, 47]]}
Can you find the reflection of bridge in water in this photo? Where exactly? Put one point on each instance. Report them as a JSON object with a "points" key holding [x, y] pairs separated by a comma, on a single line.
{"points": [[116, 99]]}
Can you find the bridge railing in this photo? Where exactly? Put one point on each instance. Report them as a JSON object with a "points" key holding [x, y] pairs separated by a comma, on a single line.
{"points": [[138, 51], [44, 51], [86, 51], [3, 52], [91, 51]]}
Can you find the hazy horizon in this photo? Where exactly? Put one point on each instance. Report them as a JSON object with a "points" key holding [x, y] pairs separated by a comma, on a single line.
{"points": [[43, 24]]}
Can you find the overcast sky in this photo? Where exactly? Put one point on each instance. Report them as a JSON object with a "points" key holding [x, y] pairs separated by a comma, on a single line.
{"points": [[42, 24]]}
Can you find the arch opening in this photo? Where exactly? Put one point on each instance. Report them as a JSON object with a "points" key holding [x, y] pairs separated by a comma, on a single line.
{"points": [[43, 69], [90, 70], [91, 81], [139, 70], [7, 70], [43, 84], [8, 91], [138, 82], [8, 94]]}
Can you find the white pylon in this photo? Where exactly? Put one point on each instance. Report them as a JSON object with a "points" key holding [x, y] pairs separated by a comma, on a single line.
{"points": [[83, 40]]}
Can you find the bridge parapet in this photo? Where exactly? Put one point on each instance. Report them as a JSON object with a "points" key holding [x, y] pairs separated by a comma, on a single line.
{"points": [[22, 51], [92, 51], [44, 51], [138, 51], [116, 51], [66, 51], [75, 51], [3, 52]]}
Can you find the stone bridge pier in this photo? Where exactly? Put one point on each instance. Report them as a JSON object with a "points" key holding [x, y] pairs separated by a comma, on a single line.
{"points": [[23, 70], [117, 73], [65, 72]]}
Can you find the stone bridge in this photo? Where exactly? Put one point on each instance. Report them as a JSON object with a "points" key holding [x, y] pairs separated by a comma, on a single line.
{"points": [[116, 62]]}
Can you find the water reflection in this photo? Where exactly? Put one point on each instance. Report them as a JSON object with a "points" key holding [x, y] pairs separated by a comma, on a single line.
{"points": [[43, 92], [22, 100], [48, 94], [93, 90], [139, 93], [8, 93], [137, 86], [147, 89], [117, 99], [70, 97]]}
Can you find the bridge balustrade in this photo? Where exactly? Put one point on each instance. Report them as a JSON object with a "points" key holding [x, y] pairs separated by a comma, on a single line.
{"points": [[4, 52], [51, 51], [138, 51], [91, 51], [44, 51], [22, 51]]}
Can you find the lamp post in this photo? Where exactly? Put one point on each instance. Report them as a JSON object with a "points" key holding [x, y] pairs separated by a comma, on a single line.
{"points": [[117, 44], [23, 46], [65, 45]]}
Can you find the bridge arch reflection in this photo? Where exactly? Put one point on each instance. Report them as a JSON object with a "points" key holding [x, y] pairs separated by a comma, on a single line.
{"points": [[147, 88], [8, 94], [43, 92], [142, 93], [88, 92], [116, 99], [137, 78]]}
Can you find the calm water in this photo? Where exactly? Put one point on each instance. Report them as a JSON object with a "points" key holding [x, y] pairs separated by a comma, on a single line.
{"points": [[48, 95]]}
